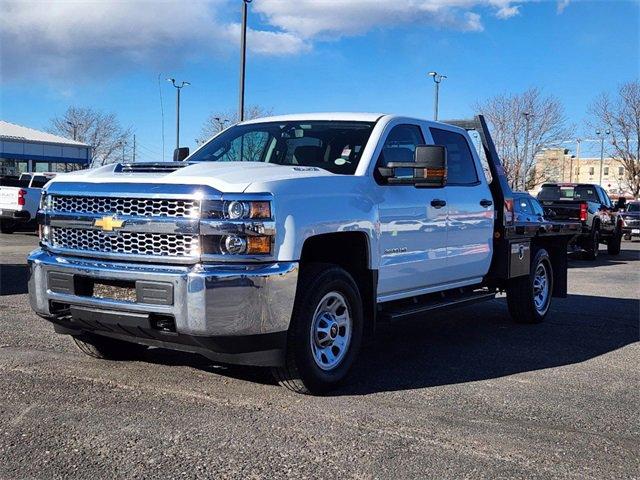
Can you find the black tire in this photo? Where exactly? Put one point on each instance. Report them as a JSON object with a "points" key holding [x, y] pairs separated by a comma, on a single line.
{"points": [[627, 236], [593, 245], [521, 299], [301, 372], [614, 243], [7, 226], [106, 348]]}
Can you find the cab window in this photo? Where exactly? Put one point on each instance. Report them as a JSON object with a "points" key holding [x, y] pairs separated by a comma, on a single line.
{"points": [[400, 146], [461, 168]]}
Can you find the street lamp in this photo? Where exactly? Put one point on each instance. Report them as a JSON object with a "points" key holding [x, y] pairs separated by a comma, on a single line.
{"points": [[243, 57], [220, 122], [601, 135], [75, 128], [523, 173], [178, 88], [437, 79]]}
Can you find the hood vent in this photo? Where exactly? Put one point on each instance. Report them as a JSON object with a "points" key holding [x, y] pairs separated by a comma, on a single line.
{"points": [[150, 167]]}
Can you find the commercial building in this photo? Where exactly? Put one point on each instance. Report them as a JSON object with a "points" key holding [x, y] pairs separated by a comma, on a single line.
{"points": [[558, 165], [24, 149]]}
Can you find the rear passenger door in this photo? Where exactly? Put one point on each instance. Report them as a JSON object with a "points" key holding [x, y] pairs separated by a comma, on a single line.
{"points": [[471, 210]]}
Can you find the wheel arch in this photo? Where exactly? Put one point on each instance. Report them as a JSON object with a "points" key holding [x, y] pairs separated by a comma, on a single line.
{"points": [[351, 251]]}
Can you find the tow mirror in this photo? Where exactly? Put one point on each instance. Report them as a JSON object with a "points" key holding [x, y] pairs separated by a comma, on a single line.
{"points": [[429, 168], [179, 154]]}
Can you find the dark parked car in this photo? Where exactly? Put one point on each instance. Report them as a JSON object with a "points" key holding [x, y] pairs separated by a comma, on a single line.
{"points": [[589, 204], [631, 220]]}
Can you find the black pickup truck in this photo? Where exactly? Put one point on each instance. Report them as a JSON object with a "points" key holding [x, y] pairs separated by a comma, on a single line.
{"points": [[589, 204]]}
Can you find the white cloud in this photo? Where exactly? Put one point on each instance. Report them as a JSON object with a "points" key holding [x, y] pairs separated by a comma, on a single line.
{"points": [[562, 4], [78, 38]]}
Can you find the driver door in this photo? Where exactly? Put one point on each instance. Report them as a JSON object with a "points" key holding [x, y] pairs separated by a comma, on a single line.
{"points": [[413, 224]]}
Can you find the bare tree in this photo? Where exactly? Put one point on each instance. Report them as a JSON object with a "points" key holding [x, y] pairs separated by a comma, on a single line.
{"points": [[109, 141], [522, 125], [217, 121], [621, 116]]}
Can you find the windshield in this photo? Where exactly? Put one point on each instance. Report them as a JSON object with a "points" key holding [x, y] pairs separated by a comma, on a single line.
{"points": [[578, 192], [333, 146], [633, 207]]}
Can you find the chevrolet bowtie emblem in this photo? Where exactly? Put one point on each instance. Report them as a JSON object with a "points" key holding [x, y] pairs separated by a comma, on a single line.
{"points": [[108, 224]]}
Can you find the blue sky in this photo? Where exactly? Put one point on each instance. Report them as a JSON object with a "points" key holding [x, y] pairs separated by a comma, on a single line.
{"points": [[348, 56]]}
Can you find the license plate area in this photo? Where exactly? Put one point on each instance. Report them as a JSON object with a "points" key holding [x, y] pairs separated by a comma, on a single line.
{"points": [[130, 291]]}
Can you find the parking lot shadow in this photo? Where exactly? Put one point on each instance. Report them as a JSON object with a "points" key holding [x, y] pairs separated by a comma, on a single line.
{"points": [[577, 261], [13, 279], [481, 342]]}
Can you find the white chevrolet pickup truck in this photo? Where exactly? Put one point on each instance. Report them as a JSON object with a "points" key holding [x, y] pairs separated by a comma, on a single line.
{"points": [[284, 241]]}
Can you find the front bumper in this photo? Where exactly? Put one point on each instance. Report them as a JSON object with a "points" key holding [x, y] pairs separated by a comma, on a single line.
{"points": [[225, 312]]}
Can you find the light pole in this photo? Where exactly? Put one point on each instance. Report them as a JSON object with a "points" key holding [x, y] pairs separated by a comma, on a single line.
{"points": [[178, 88], [243, 58], [220, 123], [523, 171], [437, 79], [601, 135], [75, 128]]}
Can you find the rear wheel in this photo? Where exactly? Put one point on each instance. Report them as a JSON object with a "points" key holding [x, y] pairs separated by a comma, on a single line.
{"points": [[108, 348], [325, 332], [7, 226], [627, 236], [593, 245], [529, 297]]}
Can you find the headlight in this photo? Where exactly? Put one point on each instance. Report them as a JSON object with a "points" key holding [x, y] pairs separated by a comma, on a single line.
{"points": [[45, 200], [238, 210]]}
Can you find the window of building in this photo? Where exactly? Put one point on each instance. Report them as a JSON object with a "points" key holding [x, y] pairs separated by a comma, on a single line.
{"points": [[592, 170], [461, 169], [621, 171], [606, 170]]}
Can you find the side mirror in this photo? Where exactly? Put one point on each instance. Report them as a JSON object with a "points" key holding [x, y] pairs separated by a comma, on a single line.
{"points": [[429, 168], [179, 154]]}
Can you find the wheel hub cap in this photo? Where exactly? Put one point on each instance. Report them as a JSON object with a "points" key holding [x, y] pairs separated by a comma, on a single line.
{"points": [[541, 289], [331, 331]]}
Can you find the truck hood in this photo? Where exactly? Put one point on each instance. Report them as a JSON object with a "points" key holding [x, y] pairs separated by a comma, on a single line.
{"points": [[230, 177]]}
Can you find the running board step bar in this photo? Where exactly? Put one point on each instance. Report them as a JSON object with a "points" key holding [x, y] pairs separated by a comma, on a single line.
{"points": [[399, 311]]}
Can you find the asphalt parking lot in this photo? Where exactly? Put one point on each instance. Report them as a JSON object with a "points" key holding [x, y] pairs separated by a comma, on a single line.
{"points": [[462, 394]]}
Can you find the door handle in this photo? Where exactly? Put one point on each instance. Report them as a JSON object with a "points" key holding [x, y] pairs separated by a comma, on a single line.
{"points": [[437, 203], [485, 203]]}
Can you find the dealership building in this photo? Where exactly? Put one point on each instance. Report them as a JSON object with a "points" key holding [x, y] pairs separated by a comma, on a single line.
{"points": [[24, 149]]}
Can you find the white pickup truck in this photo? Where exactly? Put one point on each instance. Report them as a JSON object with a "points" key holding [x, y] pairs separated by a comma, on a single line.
{"points": [[284, 241], [19, 199]]}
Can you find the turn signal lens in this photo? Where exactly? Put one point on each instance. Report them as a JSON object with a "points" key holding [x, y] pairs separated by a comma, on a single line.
{"points": [[259, 245], [259, 210]]}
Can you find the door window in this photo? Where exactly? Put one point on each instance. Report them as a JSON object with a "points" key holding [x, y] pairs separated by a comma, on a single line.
{"points": [[461, 168], [400, 146]]}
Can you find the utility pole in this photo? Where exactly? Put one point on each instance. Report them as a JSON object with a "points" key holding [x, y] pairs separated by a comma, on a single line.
{"points": [[243, 58], [601, 136], [523, 171], [578, 142], [178, 88], [134, 148], [437, 79]]}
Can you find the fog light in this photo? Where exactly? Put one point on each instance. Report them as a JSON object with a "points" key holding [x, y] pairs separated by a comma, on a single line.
{"points": [[233, 245]]}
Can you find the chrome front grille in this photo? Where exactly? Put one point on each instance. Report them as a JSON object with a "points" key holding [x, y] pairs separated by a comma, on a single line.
{"points": [[140, 207], [127, 243]]}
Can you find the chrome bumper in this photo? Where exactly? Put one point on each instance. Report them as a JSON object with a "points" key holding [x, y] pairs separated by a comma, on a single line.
{"points": [[208, 300]]}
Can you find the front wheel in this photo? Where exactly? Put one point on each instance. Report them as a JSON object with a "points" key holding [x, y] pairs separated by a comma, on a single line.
{"points": [[529, 297], [325, 332], [614, 243]]}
